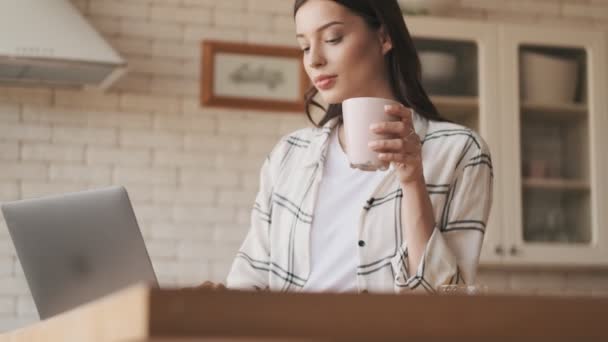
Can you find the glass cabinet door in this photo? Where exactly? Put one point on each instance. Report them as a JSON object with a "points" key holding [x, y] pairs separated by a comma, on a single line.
{"points": [[554, 120], [450, 75], [551, 104], [459, 63]]}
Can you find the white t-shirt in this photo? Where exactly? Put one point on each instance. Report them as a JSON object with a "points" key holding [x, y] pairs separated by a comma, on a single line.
{"points": [[334, 245]]}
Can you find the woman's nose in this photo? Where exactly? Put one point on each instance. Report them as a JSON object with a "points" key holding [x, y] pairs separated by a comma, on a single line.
{"points": [[316, 58]]}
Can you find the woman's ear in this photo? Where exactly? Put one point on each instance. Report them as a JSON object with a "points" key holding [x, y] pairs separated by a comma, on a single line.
{"points": [[385, 40]]}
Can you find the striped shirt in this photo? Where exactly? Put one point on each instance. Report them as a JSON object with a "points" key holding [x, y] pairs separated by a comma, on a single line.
{"points": [[275, 254]]}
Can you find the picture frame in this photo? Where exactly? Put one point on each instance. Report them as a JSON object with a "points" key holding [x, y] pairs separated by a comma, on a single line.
{"points": [[252, 76]]}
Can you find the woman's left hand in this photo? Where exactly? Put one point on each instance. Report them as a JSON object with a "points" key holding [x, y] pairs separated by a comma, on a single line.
{"points": [[404, 148]]}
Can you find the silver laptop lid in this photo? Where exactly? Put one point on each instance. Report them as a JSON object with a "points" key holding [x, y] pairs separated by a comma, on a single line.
{"points": [[77, 247]]}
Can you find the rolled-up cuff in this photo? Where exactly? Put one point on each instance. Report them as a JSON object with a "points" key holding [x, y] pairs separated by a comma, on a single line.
{"points": [[437, 266]]}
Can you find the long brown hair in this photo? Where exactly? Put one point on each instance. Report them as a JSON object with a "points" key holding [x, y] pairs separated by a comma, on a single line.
{"points": [[402, 62]]}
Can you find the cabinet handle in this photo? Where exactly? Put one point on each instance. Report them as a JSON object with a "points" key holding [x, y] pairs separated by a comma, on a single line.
{"points": [[513, 250], [499, 250]]}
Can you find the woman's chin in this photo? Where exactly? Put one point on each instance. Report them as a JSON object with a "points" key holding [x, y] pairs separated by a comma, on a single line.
{"points": [[332, 97]]}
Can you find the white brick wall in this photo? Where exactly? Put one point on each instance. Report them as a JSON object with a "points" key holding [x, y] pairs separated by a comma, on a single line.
{"points": [[9, 113], [191, 172], [120, 9], [24, 132], [9, 151]]}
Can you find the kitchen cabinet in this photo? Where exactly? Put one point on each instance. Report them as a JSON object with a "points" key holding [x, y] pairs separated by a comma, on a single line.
{"points": [[535, 95], [553, 111]]}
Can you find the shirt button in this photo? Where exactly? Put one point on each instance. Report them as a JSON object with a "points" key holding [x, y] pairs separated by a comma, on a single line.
{"points": [[361, 243]]}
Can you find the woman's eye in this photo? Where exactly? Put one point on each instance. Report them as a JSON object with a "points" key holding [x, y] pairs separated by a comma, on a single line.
{"points": [[331, 41]]}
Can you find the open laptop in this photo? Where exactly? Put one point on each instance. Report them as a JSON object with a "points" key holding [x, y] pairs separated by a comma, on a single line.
{"points": [[78, 247]]}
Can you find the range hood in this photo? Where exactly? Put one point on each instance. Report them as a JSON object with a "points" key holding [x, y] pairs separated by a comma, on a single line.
{"points": [[49, 43]]}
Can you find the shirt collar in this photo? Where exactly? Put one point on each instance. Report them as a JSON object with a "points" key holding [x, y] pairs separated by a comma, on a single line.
{"points": [[320, 142]]}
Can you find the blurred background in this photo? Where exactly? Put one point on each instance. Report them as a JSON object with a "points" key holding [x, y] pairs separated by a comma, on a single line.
{"points": [[192, 170]]}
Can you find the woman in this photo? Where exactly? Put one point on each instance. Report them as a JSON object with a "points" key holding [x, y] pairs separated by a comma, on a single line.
{"points": [[318, 225]]}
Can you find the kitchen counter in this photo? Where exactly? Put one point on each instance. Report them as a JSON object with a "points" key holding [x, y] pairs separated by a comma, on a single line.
{"points": [[140, 313]]}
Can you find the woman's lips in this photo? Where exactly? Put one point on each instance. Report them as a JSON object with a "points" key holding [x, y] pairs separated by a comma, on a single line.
{"points": [[326, 83]]}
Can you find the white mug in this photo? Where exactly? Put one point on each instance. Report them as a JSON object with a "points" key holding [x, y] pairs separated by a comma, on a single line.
{"points": [[359, 113]]}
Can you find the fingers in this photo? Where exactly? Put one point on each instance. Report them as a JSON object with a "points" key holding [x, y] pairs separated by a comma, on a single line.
{"points": [[396, 150], [403, 146], [211, 286], [399, 128], [392, 145], [392, 157], [400, 111], [396, 128], [207, 285], [404, 158]]}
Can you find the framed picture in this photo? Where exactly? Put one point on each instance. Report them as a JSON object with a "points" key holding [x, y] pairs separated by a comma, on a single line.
{"points": [[248, 76]]}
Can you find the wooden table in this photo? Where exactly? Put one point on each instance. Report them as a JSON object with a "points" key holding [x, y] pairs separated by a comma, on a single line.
{"points": [[140, 313]]}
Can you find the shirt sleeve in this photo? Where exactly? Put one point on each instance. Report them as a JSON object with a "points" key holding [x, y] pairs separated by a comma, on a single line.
{"points": [[452, 252], [251, 266]]}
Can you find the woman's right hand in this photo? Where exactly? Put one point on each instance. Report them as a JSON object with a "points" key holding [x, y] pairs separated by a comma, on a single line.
{"points": [[208, 285]]}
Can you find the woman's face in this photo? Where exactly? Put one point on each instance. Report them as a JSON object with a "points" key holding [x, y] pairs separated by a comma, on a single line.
{"points": [[338, 44]]}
